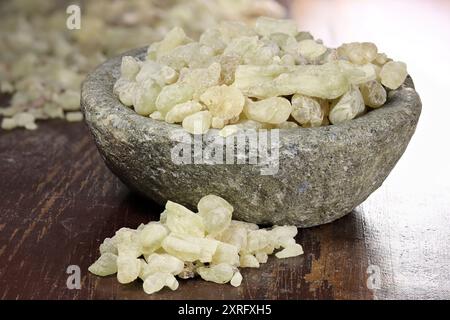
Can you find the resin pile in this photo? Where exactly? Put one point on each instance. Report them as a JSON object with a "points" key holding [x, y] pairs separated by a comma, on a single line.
{"points": [[268, 76], [42, 63], [185, 244]]}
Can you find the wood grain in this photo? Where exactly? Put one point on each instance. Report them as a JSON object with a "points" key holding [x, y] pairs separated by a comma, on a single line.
{"points": [[58, 201]]}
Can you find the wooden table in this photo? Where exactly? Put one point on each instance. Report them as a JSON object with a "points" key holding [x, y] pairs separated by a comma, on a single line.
{"points": [[58, 201]]}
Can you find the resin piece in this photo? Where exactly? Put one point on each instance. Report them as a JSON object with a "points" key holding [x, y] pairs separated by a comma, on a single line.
{"points": [[228, 130], [290, 251], [151, 237], [236, 280], [129, 68], [262, 257], [173, 39], [202, 79], [381, 59], [258, 240], [183, 221], [9, 123], [105, 265], [393, 74], [172, 95], [373, 93], [146, 93], [308, 112], [126, 91], [160, 263], [311, 50], [216, 220], [245, 225], [74, 116], [236, 236], [233, 29], [181, 248], [225, 102], [327, 81], [358, 52], [180, 111], [249, 261], [229, 63], [287, 125], [108, 245], [282, 236], [219, 273], [249, 77], [128, 268], [347, 107], [274, 110], [156, 282], [213, 39], [226, 253], [266, 26], [358, 74], [197, 123], [157, 115]]}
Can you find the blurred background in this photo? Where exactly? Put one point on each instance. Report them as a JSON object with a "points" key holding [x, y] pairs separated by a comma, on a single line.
{"points": [[414, 201], [42, 64], [416, 32]]}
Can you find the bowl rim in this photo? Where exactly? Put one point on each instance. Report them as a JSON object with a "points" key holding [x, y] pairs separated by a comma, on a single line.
{"points": [[98, 102]]}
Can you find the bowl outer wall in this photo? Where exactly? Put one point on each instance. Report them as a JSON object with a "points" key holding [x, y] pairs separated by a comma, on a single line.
{"points": [[323, 173]]}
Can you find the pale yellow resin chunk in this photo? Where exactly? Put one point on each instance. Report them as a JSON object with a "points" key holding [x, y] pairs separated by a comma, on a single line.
{"points": [[184, 244]]}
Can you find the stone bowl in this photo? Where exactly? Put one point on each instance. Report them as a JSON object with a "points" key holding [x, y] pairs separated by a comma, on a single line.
{"points": [[323, 173]]}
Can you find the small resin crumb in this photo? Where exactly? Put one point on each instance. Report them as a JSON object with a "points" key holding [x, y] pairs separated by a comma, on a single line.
{"points": [[74, 116]]}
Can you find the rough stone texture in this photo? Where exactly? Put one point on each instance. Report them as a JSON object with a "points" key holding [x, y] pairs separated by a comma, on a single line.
{"points": [[324, 173]]}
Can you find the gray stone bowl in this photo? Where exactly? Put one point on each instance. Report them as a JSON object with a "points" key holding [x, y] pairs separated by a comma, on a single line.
{"points": [[323, 173]]}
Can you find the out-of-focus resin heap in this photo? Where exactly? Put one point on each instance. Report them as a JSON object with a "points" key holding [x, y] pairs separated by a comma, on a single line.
{"points": [[270, 76], [42, 63], [185, 244]]}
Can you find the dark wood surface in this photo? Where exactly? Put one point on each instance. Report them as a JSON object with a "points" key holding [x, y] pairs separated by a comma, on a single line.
{"points": [[58, 201]]}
